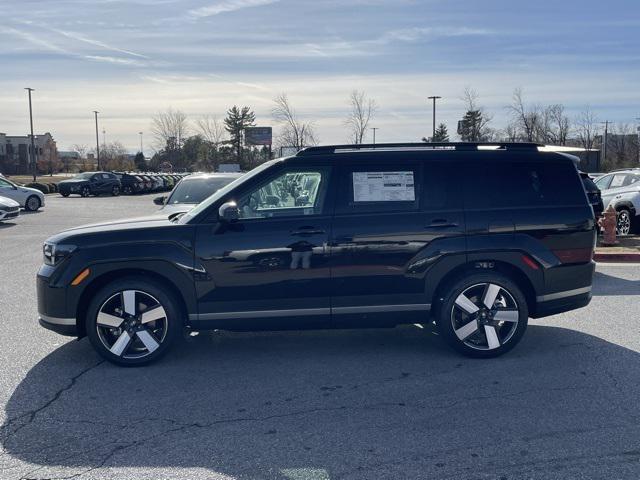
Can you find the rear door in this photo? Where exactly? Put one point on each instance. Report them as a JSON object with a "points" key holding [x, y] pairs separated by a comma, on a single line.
{"points": [[393, 220]]}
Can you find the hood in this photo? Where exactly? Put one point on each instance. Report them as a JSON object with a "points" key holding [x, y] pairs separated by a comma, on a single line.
{"points": [[7, 202], [176, 208], [113, 227], [35, 191]]}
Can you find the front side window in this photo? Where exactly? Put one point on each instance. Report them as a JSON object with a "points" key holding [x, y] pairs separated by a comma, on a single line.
{"points": [[5, 184], [291, 193]]}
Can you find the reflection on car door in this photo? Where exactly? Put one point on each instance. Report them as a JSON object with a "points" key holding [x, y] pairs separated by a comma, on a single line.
{"points": [[270, 268], [389, 227]]}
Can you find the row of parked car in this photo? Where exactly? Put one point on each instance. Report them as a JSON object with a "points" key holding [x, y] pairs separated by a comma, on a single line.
{"points": [[113, 183]]}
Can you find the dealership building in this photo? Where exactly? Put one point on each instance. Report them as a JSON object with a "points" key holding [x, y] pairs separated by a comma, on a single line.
{"points": [[15, 152]]}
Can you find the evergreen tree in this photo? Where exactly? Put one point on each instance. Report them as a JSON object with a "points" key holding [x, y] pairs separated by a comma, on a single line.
{"points": [[442, 134], [236, 121], [140, 162], [473, 127]]}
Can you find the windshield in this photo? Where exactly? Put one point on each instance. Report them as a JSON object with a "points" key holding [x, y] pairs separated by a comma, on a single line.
{"points": [[195, 190], [226, 189], [84, 176]]}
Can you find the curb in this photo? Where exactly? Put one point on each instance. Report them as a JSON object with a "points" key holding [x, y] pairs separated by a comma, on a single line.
{"points": [[618, 257]]}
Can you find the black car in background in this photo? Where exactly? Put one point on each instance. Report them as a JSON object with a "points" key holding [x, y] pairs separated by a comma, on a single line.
{"points": [[593, 194], [91, 183], [131, 184], [475, 239]]}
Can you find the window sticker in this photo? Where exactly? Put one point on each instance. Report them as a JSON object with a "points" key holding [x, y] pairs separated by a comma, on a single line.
{"points": [[617, 181], [383, 187]]}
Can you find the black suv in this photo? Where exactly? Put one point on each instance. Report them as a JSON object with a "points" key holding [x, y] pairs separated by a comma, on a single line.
{"points": [[476, 238], [91, 183]]}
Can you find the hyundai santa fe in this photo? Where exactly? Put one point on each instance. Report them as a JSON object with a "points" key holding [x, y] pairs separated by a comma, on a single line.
{"points": [[474, 238]]}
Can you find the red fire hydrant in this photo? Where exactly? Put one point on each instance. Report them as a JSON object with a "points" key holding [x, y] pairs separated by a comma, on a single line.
{"points": [[608, 223]]}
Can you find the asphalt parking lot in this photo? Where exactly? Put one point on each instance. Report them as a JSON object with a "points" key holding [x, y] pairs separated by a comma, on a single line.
{"points": [[315, 405]]}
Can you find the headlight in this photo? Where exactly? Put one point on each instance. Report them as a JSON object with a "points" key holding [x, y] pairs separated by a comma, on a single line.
{"points": [[54, 254]]}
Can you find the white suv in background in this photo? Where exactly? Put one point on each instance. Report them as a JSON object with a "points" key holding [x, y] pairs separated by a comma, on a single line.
{"points": [[29, 198], [622, 190]]}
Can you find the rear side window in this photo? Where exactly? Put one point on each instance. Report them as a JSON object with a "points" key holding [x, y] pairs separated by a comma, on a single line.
{"points": [[523, 184], [379, 188], [442, 185]]}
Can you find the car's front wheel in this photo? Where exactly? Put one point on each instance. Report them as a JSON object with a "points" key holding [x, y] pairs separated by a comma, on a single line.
{"points": [[483, 315], [133, 321], [115, 191], [623, 222], [85, 192]]}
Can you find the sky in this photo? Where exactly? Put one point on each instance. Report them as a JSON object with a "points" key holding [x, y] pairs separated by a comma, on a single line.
{"points": [[132, 59]]}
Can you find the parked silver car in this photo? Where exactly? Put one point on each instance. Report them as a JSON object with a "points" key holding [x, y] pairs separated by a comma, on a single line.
{"points": [[621, 189], [8, 209], [192, 190], [29, 198]]}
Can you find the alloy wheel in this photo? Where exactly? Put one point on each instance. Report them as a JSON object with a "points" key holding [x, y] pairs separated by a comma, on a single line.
{"points": [[131, 324], [623, 225], [33, 203], [85, 192], [115, 191], [485, 316]]}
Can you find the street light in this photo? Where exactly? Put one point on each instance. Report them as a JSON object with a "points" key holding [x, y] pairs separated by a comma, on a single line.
{"points": [[141, 149], [604, 140], [374, 133], [434, 98], [32, 155], [97, 140]]}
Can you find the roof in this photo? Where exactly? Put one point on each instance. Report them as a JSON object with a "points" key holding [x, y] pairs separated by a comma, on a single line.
{"points": [[423, 146], [200, 176]]}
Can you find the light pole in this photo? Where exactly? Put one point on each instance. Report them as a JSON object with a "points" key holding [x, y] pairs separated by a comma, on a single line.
{"points": [[434, 98], [97, 140], [374, 133], [141, 149], [638, 130], [32, 156], [104, 137], [604, 140]]}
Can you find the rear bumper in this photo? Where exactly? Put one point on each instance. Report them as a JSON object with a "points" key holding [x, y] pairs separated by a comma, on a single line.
{"points": [[565, 302], [568, 287]]}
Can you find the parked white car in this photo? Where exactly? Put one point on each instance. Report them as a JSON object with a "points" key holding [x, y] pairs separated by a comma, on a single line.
{"points": [[621, 189], [8, 209], [29, 198]]}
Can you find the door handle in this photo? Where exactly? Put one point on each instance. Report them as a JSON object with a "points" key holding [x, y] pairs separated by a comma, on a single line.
{"points": [[303, 231], [441, 223]]}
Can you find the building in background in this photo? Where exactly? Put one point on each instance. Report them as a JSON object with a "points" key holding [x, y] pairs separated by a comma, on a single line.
{"points": [[15, 154]]}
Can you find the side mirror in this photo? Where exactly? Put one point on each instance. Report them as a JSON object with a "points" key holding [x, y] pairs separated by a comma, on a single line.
{"points": [[229, 212], [159, 200]]}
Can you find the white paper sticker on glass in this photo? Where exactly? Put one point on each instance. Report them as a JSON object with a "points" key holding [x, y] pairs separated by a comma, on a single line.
{"points": [[383, 187]]}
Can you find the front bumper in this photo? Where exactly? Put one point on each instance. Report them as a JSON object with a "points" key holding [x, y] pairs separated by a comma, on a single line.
{"points": [[7, 215], [63, 326]]}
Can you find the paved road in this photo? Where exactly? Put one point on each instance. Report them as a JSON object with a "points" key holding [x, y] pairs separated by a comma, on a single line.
{"points": [[317, 405]]}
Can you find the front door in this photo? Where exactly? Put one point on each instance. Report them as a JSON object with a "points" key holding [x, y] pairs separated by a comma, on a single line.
{"points": [[393, 222], [269, 269]]}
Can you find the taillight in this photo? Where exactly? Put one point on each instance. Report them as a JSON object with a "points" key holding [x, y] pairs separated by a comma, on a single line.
{"points": [[574, 255]]}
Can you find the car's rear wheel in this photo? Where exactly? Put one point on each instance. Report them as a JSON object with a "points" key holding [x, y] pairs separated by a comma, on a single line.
{"points": [[623, 223], [115, 191], [127, 190], [65, 194], [32, 204], [133, 321], [85, 192], [483, 315]]}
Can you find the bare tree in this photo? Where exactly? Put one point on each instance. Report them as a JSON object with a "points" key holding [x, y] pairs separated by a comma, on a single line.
{"points": [[362, 109], [294, 132], [557, 125], [169, 128], [526, 119], [587, 128], [213, 131]]}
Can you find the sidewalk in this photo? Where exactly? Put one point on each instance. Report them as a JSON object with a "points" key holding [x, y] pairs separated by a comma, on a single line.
{"points": [[627, 250]]}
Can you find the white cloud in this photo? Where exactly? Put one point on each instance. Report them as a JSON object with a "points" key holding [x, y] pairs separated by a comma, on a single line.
{"points": [[97, 43], [34, 40], [227, 6]]}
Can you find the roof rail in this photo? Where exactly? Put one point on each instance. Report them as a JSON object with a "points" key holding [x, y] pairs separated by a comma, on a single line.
{"points": [[458, 146]]}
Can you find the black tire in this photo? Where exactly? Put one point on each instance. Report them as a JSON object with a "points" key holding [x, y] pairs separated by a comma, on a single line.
{"points": [[451, 317], [32, 204], [85, 192], [624, 222], [164, 331], [115, 191], [65, 194], [127, 190]]}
